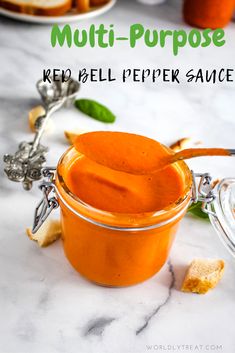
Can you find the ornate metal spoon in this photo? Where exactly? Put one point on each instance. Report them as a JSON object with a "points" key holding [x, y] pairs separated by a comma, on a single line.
{"points": [[26, 164]]}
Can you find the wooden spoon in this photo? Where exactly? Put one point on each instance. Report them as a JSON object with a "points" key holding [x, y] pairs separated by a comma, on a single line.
{"points": [[135, 154]]}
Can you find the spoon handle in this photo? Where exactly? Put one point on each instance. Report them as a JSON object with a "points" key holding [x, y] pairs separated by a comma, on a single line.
{"points": [[43, 122], [200, 152]]}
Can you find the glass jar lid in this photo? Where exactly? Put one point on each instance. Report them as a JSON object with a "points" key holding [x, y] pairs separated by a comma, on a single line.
{"points": [[222, 212]]}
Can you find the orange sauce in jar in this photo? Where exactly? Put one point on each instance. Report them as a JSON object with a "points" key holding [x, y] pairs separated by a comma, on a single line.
{"points": [[118, 227], [208, 13]]}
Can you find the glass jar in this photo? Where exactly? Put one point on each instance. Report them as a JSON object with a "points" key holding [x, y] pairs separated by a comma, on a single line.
{"points": [[208, 13], [222, 212], [114, 249]]}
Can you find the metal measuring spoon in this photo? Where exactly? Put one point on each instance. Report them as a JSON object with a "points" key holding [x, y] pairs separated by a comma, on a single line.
{"points": [[135, 154], [26, 164]]}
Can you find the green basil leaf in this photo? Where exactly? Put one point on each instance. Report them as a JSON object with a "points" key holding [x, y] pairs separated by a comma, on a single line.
{"points": [[196, 210], [95, 110]]}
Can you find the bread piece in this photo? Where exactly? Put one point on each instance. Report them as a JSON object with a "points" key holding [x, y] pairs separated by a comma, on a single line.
{"points": [[38, 7], [83, 5], [99, 2], [183, 143], [180, 144], [47, 234], [72, 135], [34, 114], [202, 275], [215, 182]]}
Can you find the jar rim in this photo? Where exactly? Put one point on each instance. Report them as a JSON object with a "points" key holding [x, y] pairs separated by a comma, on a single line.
{"points": [[63, 189]]}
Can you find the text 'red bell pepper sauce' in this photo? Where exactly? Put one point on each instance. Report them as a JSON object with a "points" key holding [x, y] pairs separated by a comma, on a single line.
{"points": [[118, 227]]}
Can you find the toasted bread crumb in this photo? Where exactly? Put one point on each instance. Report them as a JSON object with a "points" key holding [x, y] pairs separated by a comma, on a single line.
{"points": [[83, 5], [203, 275], [49, 232], [72, 135], [183, 143], [215, 182], [34, 114], [98, 2], [38, 7]]}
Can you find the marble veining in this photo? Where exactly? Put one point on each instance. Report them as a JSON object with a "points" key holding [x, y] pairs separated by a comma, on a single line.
{"points": [[153, 314], [96, 327], [47, 307]]}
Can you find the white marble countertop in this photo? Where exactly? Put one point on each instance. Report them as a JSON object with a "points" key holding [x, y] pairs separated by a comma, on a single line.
{"points": [[46, 307]]}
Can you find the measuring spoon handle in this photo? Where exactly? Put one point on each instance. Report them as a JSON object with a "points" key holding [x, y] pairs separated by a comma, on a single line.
{"points": [[200, 152], [232, 152]]}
